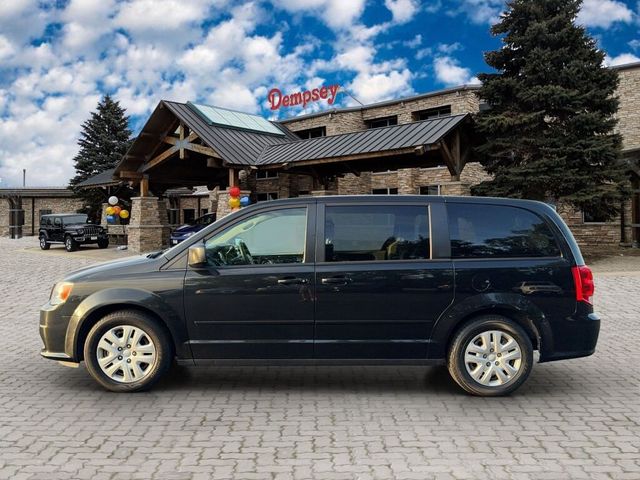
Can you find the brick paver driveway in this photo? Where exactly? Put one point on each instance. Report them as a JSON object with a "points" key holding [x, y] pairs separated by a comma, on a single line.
{"points": [[573, 419]]}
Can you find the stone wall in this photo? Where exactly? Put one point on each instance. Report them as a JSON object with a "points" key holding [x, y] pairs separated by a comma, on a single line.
{"points": [[337, 122], [629, 110]]}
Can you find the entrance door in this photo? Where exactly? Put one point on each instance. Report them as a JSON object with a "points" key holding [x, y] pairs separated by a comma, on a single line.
{"points": [[254, 297], [378, 290]]}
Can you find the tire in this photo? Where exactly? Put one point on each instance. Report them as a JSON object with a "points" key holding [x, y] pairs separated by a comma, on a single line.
{"points": [[106, 363], [484, 339], [44, 245], [70, 244], [103, 243]]}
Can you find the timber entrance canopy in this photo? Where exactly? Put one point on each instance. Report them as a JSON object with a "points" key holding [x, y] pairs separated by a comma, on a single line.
{"points": [[186, 144]]}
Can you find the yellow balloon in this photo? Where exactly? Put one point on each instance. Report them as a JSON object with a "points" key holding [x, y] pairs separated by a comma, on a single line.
{"points": [[109, 211], [234, 202], [124, 213]]}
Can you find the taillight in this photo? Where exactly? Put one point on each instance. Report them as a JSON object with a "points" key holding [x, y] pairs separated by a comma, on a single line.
{"points": [[583, 281]]}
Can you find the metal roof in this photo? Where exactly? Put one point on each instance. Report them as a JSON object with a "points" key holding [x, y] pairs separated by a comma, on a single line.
{"points": [[397, 137], [234, 145], [100, 180], [42, 192]]}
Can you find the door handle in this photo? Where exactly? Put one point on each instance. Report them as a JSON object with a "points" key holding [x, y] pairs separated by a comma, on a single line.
{"points": [[335, 281], [292, 281]]}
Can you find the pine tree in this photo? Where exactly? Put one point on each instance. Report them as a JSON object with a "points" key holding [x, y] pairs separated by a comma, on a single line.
{"points": [[104, 139], [549, 129]]}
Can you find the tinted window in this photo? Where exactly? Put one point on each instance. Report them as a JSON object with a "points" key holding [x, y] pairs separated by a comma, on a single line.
{"points": [[371, 232], [271, 237], [481, 231], [74, 219]]}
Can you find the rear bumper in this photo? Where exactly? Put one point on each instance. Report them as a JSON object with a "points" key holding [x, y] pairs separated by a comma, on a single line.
{"points": [[573, 337]]}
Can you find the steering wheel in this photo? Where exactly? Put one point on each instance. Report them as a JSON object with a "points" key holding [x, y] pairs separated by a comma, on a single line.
{"points": [[244, 251]]}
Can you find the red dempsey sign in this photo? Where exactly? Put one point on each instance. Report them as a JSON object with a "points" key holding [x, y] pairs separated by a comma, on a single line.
{"points": [[277, 99]]}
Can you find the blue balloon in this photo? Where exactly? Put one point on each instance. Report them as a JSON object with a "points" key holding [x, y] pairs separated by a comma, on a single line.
{"points": [[111, 219], [244, 201]]}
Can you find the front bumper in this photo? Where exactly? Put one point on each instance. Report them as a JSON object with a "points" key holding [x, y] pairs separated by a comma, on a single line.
{"points": [[53, 332], [90, 238]]}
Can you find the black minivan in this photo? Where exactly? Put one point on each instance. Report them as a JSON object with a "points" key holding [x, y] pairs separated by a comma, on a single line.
{"points": [[478, 284]]}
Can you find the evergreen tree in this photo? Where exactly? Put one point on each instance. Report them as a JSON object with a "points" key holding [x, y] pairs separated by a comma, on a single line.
{"points": [[104, 139], [549, 129]]}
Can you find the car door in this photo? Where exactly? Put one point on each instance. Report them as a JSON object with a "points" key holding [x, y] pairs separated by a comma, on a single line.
{"points": [[382, 278], [56, 232], [254, 298]]}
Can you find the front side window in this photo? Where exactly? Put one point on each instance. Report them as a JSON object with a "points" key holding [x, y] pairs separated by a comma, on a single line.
{"points": [[266, 238], [496, 231], [372, 232]]}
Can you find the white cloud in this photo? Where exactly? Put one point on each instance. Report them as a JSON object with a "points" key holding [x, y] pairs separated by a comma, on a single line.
{"points": [[374, 87], [621, 59], [449, 72], [337, 14], [604, 13], [414, 42], [482, 11], [402, 10]]}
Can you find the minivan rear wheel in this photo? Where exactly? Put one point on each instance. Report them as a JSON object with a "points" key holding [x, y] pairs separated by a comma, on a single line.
{"points": [[490, 356], [127, 351]]}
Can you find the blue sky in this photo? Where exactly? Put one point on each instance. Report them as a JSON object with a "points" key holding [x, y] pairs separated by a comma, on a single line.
{"points": [[58, 57]]}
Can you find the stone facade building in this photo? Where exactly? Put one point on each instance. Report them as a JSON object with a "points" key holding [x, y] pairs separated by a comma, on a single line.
{"points": [[184, 163]]}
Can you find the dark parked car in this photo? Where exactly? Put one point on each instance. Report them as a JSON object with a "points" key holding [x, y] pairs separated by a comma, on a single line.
{"points": [[185, 231], [71, 229], [339, 280]]}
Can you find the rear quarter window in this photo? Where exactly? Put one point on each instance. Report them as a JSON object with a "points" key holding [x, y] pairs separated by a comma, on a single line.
{"points": [[497, 231]]}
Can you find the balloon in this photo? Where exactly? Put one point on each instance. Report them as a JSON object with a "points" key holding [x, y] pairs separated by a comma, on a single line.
{"points": [[111, 219], [113, 200], [244, 201], [109, 210], [234, 202], [116, 210], [124, 213], [235, 209], [234, 192]]}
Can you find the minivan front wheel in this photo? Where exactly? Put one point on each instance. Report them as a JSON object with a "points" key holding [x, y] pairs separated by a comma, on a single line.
{"points": [[127, 351], [490, 356]]}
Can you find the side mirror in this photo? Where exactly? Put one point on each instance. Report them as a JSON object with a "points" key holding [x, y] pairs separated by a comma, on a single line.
{"points": [[197, 256]]}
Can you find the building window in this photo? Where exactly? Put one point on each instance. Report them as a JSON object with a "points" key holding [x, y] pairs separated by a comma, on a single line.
{"points": [[189, 215], [382, 122], [384, 191], [265, 174], [429, 113], [431, 190], [312, 133], [263, 197], [372, 232], [593, 217]]}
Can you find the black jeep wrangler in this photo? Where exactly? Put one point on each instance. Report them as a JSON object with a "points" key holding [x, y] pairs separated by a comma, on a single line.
{"points": [[72, 229]]}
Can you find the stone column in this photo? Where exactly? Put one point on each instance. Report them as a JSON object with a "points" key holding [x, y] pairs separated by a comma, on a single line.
{"points": [[148, 228], [213, 200], [103, 215], [406, 182], [223, 202]]}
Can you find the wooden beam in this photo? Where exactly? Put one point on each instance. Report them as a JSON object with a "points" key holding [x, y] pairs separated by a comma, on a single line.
{"points": [[234, 177], [194, 147], [130, 175], [144, 186], [159, 159], [449, 160], [181, 135]]}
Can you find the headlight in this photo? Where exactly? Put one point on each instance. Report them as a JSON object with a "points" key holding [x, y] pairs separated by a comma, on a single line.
{"points": [[60, 292], [80, 231]]}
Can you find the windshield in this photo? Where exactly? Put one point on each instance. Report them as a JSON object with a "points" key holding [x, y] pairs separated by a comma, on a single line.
{"points": [[73, 219]]}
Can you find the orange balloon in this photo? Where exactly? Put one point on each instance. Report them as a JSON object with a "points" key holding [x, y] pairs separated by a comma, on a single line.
{"points": [[117, 210]]}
